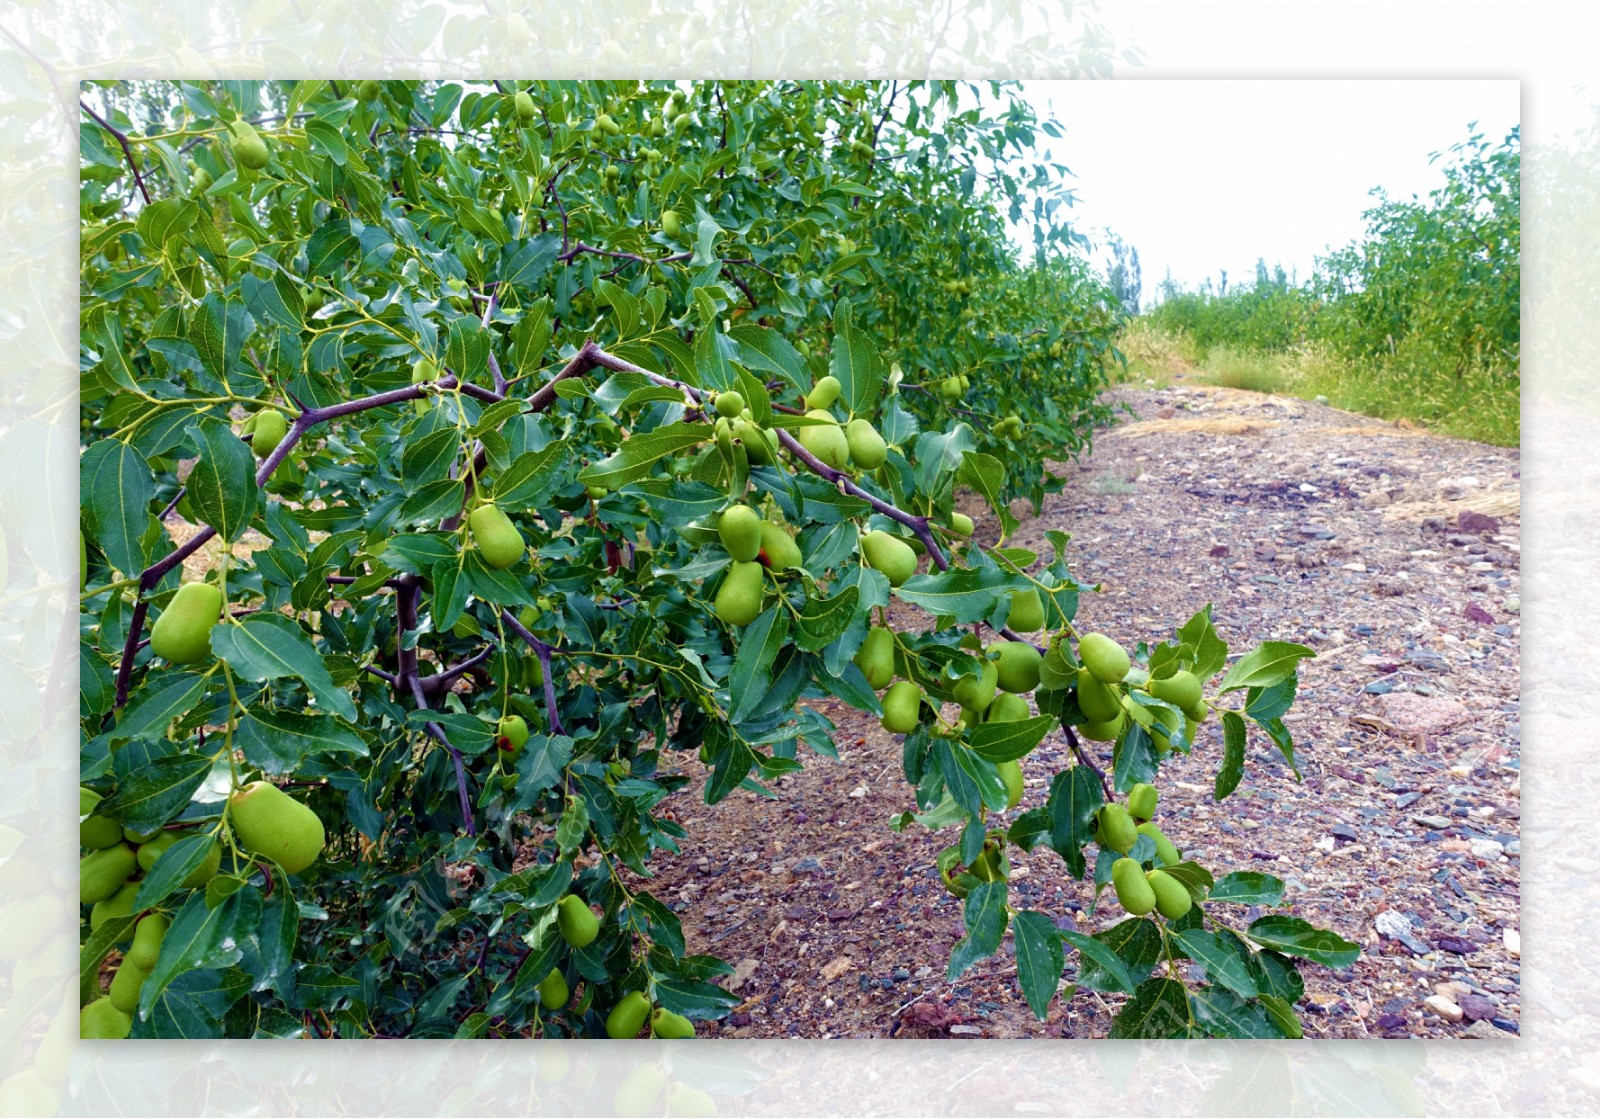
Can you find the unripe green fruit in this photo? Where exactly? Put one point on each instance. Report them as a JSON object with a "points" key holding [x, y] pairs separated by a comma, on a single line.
{"points": [[664, 1023], [157, 845], [200, 180], [875, 658], [824, 392], [183, 632], [1166, 850], [554, 991], [147, 937], [95, 832], [511, 733], [1007, 708], [101, 873], [368, 90], [119, 904], [890, 555], [760, 446], [867, 448], [524, 105], [270, 429], [1096, 700], [1172, 899], [1135, 893], [125, 985], [991, 865], [902, 707], [1106, 731], [1181, 689], [966, 382], [639, 1092], [613, 172], [1197, 715], [138, 837], [269, 822], [739, 528], [1118, 828], [950, 389], [249, 149], [778, 549], [1019, 665], [596, 493], [1027, 612], [961, 524], [826, 441], [689, 1102], [738, 602], [976, 693], [1103, 657], [627, 1017], [729, 404], [605, 124], [1142, 801], [670, 225], [101, 1021], [1011, 774], [498, 541], [579, 926]]}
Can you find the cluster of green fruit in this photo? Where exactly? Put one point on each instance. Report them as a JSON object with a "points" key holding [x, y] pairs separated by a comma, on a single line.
{"points": [[1118, 828], [579, 926], [1103, 681], [951, 389], [963, 286], [756, 546], [857, 443], [735, 424], [265, 821]]}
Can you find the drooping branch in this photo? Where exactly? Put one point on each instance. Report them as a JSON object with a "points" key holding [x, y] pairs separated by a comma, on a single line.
{"points": [[127, 149], [1083, 757], [543, 652], [579, 248], [438, 734]]}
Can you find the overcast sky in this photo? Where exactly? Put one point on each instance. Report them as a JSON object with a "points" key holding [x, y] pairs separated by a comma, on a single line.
{"points": [[1205, 175]]}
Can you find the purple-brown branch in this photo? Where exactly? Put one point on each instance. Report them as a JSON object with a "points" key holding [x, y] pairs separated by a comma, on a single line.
{"points": [[127, 150], [543, 652]]}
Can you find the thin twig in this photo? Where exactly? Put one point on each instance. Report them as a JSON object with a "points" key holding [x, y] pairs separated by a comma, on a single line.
{"points": [[1083, 757], [544, 653], [127, 150]]}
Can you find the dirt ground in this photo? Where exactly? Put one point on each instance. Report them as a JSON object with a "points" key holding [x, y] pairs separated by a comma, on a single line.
{"points": [[1395, 554]]}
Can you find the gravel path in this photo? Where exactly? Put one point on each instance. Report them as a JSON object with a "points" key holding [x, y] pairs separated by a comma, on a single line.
{"points": [[1393, 553]]}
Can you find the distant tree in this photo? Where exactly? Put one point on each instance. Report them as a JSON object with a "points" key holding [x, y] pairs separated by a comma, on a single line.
{"points": [[1124, 278]]}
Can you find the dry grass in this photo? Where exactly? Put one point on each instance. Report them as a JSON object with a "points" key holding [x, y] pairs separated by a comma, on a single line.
{"points": [[1492, 503], [1218, 425]]}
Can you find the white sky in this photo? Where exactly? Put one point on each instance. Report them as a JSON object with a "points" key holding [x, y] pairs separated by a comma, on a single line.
{"points": [[1203, 175]]}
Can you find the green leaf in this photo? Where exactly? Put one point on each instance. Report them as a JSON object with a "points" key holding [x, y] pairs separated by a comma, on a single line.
{"points": [[1208, 651], [1224, 1014], [964, 595], [1108, 970], [1040, 959], [218, 329], [1075, 796], [637, 457], [1133, 758], [1158, 1009], [987, 475], [855, 363], [467, 349], [985, 915], [117, 488], [1231, 771], [161, 221], [202, 937], [330, 246], [524, 482], [1248, 887], [159, 792], [752, 668], [429, 458], [277, 741], [1265, 665], [269, 647], [1004, 742], [1137, 945], [1221, 961], [824, 619], [173, 865], [222, 485], [162, 700], [1296, 937], [1276, 975]]}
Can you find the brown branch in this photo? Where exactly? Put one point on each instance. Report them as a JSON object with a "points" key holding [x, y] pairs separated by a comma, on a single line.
{"points": [[544, 653], [127, 150], [1083, 757]]}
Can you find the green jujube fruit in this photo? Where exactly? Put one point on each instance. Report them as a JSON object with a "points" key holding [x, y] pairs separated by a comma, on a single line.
{"points": [[670, 224], [639, 1093], [368, 90], [101, 873], [730, 404], [627, 1017], [976, 693], [182, 634], [605, 124], [1166, 850], [961, 524], [125, 984], [511, 733], [824, 392], [760, 446], [1027, 612], [1103, 657], [1172, 899], [1181, 689], [778, 549], [902, 707], [689, 1102], [867, 448], [664, 1023], [739, 528], [1134, 892], [1011, 775], [554, 991], [101, 1021], [152, 850], [1142, 800], [498, 540], [1019, 665], [875, 658], [95, 832], [248, 146], [119, 904], [1118, 828], [825, 441], [1096, 699], [270, 429], [738, 601], [577, 922], [269, 822], [890, 555], [524, 106], [147, 937], [1007, 708], [1104, 731]]}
